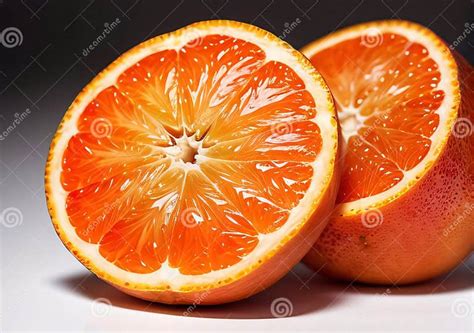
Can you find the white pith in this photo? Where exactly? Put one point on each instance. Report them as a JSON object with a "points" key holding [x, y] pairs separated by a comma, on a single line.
{"points": [[166, 275], [445, 63], [351, 121]]}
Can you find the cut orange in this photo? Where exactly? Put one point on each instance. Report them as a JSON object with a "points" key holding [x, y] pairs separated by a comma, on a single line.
{"points": [[405, 209], [197, 167]]}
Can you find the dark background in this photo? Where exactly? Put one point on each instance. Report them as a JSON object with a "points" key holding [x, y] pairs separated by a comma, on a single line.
{"points": [[48, 69]]}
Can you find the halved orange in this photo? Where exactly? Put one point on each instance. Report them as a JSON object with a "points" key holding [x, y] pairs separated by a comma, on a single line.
{"points": [[405, 209], [197, 167]]}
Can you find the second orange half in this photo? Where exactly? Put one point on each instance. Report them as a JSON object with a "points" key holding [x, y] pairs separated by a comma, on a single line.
{"points": [[405, 209]]}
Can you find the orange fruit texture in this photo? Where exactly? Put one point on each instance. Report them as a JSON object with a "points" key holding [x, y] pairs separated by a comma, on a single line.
{"points": [[405, 207], [198, 167]]}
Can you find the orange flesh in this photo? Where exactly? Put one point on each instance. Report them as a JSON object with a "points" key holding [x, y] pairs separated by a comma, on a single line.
{"points": [[145, 195], [387, 97]]}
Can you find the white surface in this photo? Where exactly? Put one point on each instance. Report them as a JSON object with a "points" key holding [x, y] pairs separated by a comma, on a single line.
{"points": [[45, 288]]}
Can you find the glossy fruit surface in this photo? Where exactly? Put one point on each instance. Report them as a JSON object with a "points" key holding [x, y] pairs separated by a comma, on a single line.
{"points": [[405, 208], [197, 167]]}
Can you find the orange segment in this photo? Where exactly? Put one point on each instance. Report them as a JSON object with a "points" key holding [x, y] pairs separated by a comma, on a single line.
{"points": [[299, 141], [209, 233], [113, 136], [111, 114], [135, 246], [380, 76], [421, 120], [213, 70], [366, 172], [274, 98], [138, 241], [193, 162], [94, 209], [265, 192], [152, 85], [89, 159], [405, 149], [388, 96]]}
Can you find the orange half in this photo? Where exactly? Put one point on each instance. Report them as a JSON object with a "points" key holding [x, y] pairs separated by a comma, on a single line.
{"points": [[396, 95], [403, 99], [192, 162]]}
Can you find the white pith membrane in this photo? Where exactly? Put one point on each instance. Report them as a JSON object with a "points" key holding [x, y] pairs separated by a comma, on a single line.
{"points": [[351, 120], [182, 155]]}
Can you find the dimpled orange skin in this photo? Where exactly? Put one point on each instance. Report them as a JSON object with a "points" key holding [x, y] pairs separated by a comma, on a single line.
{"points": [[424, 233]]}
